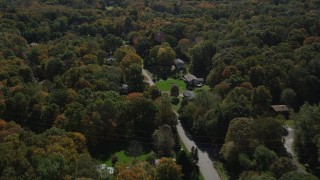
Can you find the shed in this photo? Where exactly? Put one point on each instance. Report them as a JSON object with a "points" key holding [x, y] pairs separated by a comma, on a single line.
{"points": [[110, 61], [189, 95], [124, 89], [281, 108], [179, 63]]}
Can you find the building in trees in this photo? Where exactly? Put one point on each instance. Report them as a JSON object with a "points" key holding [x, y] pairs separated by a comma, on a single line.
{"points": [[281, 109], [179, 64], [192, 80], [188, 95]]}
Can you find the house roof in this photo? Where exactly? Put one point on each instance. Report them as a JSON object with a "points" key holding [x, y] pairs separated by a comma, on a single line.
{"points": [[124, 86], [280, 108], [179, 61], [110, 61], [189, 94], [33, 44], [189, 77], [200, 79]]}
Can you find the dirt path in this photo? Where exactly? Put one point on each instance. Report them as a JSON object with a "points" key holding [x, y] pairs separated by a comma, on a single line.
{"points": [[288, 144], [148, 79]]}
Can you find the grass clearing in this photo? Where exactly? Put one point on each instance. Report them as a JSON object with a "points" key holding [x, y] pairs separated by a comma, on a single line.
{"points": [[123, 158], [109, 8], [165, 85], [221, 170], [201, 176], [203, 88], [289, 123]]}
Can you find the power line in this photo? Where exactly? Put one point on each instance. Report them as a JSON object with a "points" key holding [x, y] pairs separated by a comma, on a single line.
{"points": [[141, 140], [149, 132]]}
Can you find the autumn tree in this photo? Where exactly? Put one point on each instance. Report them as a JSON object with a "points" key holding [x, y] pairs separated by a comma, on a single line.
{"points": [[167, 169]]}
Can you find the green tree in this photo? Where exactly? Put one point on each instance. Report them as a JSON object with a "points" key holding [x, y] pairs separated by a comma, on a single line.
{"points": [[281, 166], [86, 167], [139, 115], [264, 157], [307, 135], [17, 107], [189, 167], [135, 79], [174, 91], [75, 112], [297, 176], [261, 99], [165, 55], [163, 141], [54, 67], [236, 104], [154, 92], [201, 58], [166, 114], [269, 131], [238, 139], [112, 42], [289, 97]]}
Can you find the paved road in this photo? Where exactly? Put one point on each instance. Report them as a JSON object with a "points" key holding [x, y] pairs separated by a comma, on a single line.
{"points": [[288, 144], [147, 77], [205, 164]]}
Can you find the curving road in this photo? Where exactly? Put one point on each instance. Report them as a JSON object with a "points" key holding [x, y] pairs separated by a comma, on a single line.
{"points": [[205, 163]]}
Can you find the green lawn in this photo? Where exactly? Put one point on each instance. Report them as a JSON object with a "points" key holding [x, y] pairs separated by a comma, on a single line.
{"points": [[203, 88], [109, 8], [289, 123], [123, 158], [201, 176], [165, 85]]}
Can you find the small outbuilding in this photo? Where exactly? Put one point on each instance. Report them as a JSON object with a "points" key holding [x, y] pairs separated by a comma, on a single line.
{"points": [[179, 64], [124, 89], [110, 61], [188, 95], [281, 109]]}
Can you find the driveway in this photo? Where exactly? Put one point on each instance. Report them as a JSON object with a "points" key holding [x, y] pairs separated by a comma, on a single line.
{"points": [[148, 79], [288, 144]]}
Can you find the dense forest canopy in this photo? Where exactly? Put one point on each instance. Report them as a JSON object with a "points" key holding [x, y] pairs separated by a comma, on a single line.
{"points": [[71, 77]]}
